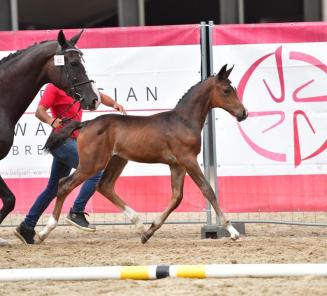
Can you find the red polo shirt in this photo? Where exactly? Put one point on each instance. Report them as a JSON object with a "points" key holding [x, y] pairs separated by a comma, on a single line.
{"points": [[58, 102]]}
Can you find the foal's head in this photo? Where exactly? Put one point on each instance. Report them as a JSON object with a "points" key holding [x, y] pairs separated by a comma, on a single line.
{"points": [[68, 73], [225, 96]]}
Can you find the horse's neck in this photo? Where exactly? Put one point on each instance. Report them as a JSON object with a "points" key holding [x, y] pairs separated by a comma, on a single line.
{"points": [[195, 105], [27, 75]]}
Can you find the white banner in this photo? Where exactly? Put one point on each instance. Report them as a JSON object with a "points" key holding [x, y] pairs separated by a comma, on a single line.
{"points": [[283, 86], [145, 80]]}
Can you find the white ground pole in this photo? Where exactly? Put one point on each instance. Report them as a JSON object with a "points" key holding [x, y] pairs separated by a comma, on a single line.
{"points": [[151, 272]]}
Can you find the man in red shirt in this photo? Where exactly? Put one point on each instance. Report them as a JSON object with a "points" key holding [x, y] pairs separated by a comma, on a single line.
{"points": [[65, 157]]}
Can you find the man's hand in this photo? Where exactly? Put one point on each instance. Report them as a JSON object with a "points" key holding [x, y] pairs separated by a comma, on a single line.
{"points": [[56, 122], [110, 102], [41, 114], [119, 108]]}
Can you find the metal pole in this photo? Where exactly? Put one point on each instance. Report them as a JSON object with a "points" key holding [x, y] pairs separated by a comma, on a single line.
{"points": [[128, 13], [324, 10], [210, 132], [14, 15], [312, 10], [141, 13], [209, 140], [229, 10], [241, 17], [204, 75], [209, 147]]}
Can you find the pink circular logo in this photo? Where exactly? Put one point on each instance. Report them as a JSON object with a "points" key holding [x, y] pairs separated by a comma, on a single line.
{"points": [[297, 96]]}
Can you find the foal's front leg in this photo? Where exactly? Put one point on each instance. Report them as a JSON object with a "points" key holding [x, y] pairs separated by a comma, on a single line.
{"points": [[66, 185], [177, 181], [197, 176]]}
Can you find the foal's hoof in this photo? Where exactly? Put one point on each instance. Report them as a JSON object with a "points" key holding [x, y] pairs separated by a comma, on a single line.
{"points": [[235, 236], [140, 229], [144, 238], [40, 237], [38, 240]]}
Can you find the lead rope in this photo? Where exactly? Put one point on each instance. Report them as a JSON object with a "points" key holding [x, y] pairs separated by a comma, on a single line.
{"points": [[65, 120]]}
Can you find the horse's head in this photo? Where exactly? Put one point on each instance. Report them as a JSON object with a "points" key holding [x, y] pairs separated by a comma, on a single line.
{"points": [[67, 72], [225, 96]]}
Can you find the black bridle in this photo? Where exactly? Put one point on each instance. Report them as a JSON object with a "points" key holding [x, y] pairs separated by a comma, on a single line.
{"points": [[73, 89], [75, 94]]}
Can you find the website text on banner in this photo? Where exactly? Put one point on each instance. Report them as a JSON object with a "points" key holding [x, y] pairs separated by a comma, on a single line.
{"points": [[276, 160], [147, 70]]}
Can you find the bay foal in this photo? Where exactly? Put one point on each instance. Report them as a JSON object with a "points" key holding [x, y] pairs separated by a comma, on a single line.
{"points": [[173, 138]]}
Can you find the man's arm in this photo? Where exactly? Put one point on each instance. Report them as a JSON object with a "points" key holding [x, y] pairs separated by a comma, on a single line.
{"points": [[110, 102], [41, 114]]}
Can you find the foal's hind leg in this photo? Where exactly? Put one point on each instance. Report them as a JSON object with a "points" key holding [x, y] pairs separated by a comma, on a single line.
{"points": [[66, 185], [8, 200], [196, 174], [177, 181], [106, 187]]}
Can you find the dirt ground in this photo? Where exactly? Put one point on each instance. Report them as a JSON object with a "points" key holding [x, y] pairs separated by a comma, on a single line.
{"points": [[172, 244]]}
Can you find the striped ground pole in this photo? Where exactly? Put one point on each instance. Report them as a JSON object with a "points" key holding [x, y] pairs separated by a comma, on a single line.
{"points": [[151, 272]]}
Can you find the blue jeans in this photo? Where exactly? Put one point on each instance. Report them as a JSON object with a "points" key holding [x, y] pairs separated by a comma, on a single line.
{"points": [[65, 157]]}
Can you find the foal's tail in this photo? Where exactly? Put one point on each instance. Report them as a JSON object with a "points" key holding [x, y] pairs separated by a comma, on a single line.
{"points": [[57, 138]]}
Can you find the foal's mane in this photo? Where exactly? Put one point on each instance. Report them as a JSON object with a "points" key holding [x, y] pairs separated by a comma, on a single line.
{"points": [[19, 52], [191, 89]]}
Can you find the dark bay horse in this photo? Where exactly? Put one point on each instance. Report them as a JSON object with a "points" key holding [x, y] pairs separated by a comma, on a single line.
{"points": [[22, 74], [173, 138]]}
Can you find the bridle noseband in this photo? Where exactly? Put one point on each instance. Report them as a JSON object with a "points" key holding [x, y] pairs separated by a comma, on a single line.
{"points": [[75, 94]]}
